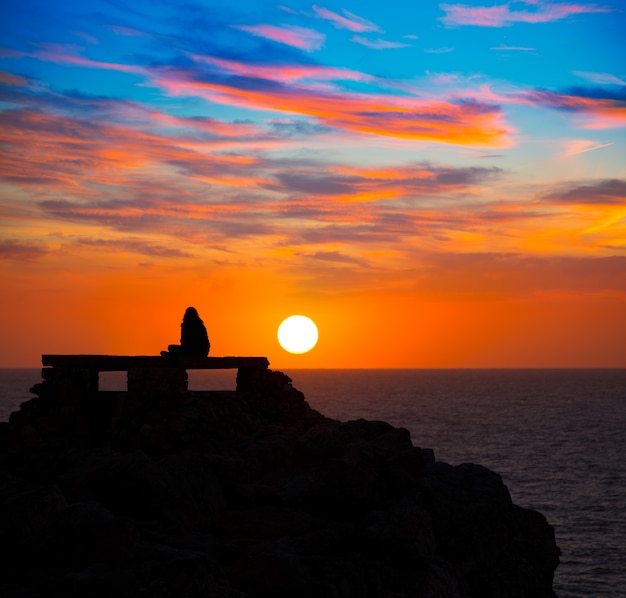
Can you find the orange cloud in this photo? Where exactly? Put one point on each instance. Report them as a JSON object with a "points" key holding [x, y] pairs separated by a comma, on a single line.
{"points": [[462, 123]]}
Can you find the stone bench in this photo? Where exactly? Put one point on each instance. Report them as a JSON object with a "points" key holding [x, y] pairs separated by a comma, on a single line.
{"points": [[120, 363], [147, 374]]}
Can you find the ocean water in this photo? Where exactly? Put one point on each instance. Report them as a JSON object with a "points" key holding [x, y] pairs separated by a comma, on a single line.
{"points": [[557, 438]]}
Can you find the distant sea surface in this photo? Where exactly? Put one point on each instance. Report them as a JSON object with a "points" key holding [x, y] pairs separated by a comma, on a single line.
{"points": [[557, 438]]}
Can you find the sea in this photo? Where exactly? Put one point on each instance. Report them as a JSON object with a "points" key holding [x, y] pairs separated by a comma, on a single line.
{"points": [[557, 438]]}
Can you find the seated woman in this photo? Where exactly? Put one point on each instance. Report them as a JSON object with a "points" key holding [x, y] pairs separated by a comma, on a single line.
{"points": [[194, 339]]}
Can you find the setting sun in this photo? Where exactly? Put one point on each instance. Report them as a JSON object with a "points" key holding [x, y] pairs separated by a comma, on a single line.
{"points": [[297, 334]]}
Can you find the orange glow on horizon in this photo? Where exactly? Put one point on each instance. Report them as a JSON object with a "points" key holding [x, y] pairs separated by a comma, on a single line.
{"points": [[119, 313]]}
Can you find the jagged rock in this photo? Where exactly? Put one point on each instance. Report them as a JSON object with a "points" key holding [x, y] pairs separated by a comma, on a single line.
{"points": [[251, 494]]}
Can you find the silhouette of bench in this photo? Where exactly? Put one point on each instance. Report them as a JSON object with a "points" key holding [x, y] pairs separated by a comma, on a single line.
{"points": [[146, 373], [120, 363]]}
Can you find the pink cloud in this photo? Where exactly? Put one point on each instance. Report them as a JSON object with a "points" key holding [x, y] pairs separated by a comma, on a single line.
{"points": [[129, 31], [284, 73], [502, 15], [351, 21], [62, 55], [291, 35], [11, 79]]}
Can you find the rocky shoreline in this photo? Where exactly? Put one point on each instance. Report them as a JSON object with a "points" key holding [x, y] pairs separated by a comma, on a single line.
{"points": [[250, 494]]}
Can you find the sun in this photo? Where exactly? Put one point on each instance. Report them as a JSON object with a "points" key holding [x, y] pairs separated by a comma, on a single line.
{"points": [[297, 334]]}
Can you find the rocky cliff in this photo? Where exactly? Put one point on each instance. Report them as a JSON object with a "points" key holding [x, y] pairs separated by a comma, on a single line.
{"points": [[250, 494]]}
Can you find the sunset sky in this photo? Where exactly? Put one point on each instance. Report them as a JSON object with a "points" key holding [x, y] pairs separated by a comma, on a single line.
{"points": [[434, 184]]}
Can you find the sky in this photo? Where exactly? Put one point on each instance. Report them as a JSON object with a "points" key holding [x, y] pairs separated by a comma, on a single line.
{"points": [[436, 185]]}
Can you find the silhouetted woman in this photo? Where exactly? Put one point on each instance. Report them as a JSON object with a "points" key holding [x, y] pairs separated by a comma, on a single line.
{"points": [[194, 339]]}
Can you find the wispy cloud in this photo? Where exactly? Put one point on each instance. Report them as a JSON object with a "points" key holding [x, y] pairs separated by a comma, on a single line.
{"points": [[128, 31], [378, 44], [411, 181], [336, 257], [17, 249], [502, 15], [582, 146], [12, 79], [597, 192], [348, 21], [444, 50], [503, 48], [291, 35], [600, 78], [61, 54], [133, 245]]}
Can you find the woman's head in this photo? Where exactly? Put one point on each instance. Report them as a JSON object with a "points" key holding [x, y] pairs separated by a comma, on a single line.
{"points": [[191, 313]]}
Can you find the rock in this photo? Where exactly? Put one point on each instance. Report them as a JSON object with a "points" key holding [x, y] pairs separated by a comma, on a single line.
{"points": [[25, 509], [83, 534], [272, 568], [101, 581], [250, 493]]}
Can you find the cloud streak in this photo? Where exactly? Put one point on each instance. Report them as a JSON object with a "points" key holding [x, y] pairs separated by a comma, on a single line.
{"points": [[603, 192], [502, 15], [601, 108], [378, 44], [291, 35], [348, 21], [503, 48], [601, 78], [19, 250]]}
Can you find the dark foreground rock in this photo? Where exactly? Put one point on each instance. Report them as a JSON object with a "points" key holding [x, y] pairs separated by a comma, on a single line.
{"points": [[254, 494]]}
